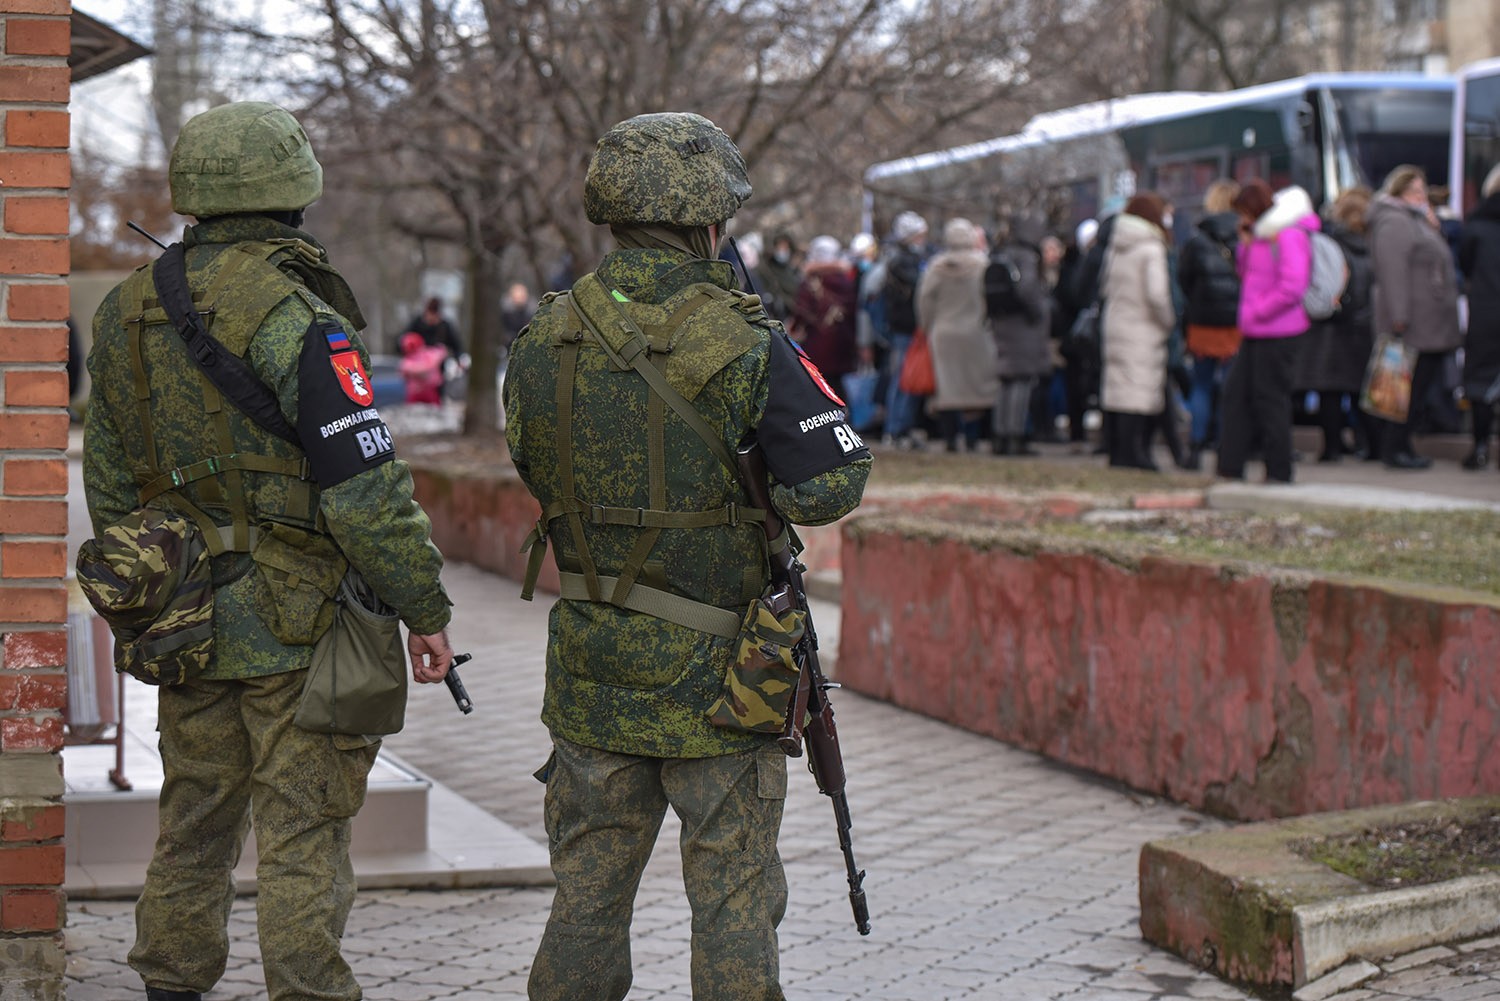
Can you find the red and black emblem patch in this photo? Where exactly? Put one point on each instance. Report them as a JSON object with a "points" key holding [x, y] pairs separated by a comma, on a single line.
{"points": [[352, 377], [817, 377]]}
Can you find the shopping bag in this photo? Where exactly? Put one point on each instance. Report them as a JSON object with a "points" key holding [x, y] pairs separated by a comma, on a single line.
{"points": [[918, 378], [1387, 389], [859, 393]]}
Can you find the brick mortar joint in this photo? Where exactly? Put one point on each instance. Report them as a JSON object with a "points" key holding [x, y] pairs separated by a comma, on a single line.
{"points": [[33, 60]]}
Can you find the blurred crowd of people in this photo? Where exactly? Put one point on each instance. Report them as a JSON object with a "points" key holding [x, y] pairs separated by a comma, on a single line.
{"points": [[1266, 314]]}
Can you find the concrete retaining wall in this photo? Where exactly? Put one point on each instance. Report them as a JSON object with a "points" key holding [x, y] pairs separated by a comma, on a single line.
{"points": [[483, 519], [1246, 695]]}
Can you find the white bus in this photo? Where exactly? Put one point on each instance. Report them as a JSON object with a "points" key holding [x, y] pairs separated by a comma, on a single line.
{"points": [[1327, 132], [1476, 133]]}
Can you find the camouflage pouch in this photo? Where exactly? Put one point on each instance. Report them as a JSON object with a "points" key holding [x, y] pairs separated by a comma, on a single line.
{"points": [[759, 685], [356, 684], [301, 572], [148, 576]]}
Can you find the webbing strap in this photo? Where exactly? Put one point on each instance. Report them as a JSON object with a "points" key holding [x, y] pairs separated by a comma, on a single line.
{"points": [[634, 563], [565, 381], [143, 395], [634, 355], [662, 604], [194, 471], [239, 514], [213, 406]]}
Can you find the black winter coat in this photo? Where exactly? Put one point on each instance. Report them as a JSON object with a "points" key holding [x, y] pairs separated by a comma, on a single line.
{"points": [[1206, 271], [902, 273], [1336, 351], [1090, 269], [1479, 256]]}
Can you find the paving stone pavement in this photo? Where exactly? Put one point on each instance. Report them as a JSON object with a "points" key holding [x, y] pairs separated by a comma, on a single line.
{"points": [[993, 873]]}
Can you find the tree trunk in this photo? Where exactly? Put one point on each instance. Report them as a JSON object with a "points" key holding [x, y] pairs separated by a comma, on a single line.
{"points": [[482, 412]]}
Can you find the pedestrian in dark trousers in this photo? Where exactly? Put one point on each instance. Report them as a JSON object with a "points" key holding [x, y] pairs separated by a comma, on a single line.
{"points": [[1019, 311], [1480, 256], [1416, 297], [1210, 280], [1336, 351], [1138, 322], [1275, 267]]}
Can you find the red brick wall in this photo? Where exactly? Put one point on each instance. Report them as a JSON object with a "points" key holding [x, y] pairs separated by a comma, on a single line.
{"points": [[34, 178]]}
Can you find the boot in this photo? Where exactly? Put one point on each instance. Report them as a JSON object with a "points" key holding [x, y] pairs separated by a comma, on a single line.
{"points": [[1000, 444], [1145, 430], [1478, 458], [1407, 460], [1194, 461], [1022, 446], [158, 994]]}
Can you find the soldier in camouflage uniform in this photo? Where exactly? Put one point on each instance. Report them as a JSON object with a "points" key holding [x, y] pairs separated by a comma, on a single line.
{"points": [[279, 521], [659, 559]]}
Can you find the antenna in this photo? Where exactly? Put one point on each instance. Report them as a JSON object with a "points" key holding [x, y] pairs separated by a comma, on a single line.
{"points": [[147, 235], [743, 270]]}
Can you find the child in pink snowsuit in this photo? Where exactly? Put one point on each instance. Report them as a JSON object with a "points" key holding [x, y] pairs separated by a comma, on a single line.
{"points": [[422, 368]]}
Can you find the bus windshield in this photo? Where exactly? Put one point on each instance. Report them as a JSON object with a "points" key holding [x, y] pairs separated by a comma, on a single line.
{"points": [[1385, 128], [1480, 135]]}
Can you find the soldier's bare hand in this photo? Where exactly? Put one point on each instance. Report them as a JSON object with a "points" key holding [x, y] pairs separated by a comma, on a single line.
{"points": [[430, 656]]}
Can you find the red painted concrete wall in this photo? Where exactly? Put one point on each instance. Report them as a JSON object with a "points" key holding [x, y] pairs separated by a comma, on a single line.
{"points": [[484, 519], [1249, 697]]}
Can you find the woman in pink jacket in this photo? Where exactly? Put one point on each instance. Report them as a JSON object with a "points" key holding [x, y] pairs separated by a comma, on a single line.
{"points": [[1275, 267]]}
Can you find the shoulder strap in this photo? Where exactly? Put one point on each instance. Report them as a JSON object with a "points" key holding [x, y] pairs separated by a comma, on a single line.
{"points": [[229, 374], [633, 355]]}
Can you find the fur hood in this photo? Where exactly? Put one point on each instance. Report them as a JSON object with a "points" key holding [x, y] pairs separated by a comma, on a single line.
{"points": [[952, 264], [1292, 207]]}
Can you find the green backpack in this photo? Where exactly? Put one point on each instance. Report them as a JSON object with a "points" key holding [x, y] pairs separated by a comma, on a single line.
{"points": [[148, 576]]}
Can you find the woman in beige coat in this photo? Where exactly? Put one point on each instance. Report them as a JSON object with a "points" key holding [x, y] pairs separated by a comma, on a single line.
{"points": [[951, 309], [1138, 320]]}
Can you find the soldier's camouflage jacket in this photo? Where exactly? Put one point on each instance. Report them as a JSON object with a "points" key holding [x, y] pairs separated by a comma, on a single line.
{"points": [[626, 681], [355, 491]]}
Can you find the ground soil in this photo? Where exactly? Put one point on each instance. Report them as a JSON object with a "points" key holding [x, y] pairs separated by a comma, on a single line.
{"points": [[1426, 851]]}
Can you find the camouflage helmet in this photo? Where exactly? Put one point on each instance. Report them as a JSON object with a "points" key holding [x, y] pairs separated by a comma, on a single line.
{"points": [[672, 169], [244, 157]]}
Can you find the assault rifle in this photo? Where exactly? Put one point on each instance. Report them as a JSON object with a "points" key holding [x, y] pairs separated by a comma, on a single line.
{"points": [[810, 701]]}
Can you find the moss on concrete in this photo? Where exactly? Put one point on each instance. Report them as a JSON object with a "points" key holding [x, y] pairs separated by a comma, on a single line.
{"points": [[1442, 555]]}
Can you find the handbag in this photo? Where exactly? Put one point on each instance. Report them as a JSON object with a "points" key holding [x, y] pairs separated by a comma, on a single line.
{"points": [[356, 684], [1387, 388], [1082, 342], [918, 377]]}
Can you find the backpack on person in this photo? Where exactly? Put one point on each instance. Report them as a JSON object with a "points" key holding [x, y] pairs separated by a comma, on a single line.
{"points": [[1002, 286], [1328, 279]]}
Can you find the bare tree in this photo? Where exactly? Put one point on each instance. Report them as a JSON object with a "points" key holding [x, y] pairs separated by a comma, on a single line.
{"points": [[471, 122]]}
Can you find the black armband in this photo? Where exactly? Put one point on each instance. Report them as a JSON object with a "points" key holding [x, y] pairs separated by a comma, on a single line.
{"points": [[340, 428]]}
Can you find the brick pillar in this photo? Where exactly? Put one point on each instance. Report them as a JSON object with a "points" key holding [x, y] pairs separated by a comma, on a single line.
{"points": [[34, 179]]}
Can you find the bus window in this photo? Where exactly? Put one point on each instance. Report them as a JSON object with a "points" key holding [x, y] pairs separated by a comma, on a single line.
{"points": [[1184, 183], [1481, 135], [1386, 128], [1273, 168]]}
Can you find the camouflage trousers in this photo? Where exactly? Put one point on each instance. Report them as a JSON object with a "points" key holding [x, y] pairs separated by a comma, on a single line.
{"points": [[603, 812], [228, 747]]}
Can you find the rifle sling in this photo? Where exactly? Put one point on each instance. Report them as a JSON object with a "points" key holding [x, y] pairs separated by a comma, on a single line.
{"points": [[228, 373]]}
